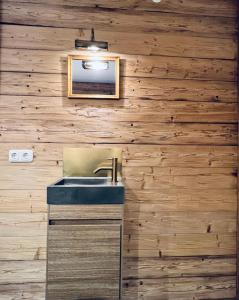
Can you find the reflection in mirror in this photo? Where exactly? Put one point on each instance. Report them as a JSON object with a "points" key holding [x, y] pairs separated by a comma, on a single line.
{"points": [[93, 77], [96, 78]]}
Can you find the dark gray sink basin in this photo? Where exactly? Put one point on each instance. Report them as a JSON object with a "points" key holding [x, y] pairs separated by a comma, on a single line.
{"points": [[85, 190], [83, 181]]}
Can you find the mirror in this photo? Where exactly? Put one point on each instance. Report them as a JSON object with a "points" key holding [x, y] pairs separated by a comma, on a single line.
{"points": [[93, 77]]}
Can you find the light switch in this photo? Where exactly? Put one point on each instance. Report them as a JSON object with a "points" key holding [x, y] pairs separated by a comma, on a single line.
{"points": [[20, 156]]}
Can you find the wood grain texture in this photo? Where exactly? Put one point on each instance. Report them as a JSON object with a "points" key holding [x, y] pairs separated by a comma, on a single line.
{"points": [[83, 261], [176, 122], [150, 268], [55, 85], [44, 61], [138, 178], [125, 20], [182, 288], [184, 134], [129, 110], [181, 200], [26, 37], [179, 222], [23, 247], [20, 272], [202, 7], [84, 212], [34, 201], [30, 291], [190, 156], [163, 245]]}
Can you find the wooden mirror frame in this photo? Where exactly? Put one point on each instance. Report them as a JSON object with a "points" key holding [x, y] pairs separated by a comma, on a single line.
{"points": [[91, 57]]}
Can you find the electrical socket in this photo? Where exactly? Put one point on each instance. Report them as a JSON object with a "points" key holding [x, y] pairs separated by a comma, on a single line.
{"points": [[20, 156]]}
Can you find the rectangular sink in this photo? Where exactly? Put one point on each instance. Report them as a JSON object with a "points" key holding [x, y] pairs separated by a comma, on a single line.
{"points": [[83, 181], [85, 190]]}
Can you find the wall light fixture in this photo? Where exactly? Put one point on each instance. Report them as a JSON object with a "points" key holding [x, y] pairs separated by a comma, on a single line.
{"points": [[92, 45]]}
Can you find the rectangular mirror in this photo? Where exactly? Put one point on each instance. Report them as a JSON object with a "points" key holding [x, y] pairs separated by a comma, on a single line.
{"points": [[93, 77]]}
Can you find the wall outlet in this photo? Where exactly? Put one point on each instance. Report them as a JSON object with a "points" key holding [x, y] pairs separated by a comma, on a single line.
{"points": [[20, 156]]}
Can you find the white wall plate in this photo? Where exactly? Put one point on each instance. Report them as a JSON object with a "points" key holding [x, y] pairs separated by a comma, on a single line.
{"points": [[20, 156]]}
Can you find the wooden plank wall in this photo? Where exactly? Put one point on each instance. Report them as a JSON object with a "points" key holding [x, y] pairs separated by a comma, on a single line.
{"points": [[176, 122]]}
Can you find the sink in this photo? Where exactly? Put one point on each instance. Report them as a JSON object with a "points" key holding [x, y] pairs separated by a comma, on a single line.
{"points": [[85, 190], [83, 181]]}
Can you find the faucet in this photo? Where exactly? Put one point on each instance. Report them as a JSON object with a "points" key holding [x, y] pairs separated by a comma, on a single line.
{"points": [[113, 169]]}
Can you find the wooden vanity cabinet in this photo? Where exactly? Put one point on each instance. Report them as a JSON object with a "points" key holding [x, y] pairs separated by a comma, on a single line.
{"points": [[84, 252]]}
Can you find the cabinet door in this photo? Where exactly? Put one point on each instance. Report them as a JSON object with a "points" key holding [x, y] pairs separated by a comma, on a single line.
{"points": [[83, 261]]}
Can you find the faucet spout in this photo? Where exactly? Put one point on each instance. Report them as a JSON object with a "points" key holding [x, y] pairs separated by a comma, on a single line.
{"points": [[113, 169], [102, 169]]}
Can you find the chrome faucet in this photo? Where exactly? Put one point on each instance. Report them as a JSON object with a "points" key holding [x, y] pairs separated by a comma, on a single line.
{"points": [[113, 169]]}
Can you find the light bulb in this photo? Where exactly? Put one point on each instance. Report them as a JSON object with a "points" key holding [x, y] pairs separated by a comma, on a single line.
{"points": [[93, 48], [95, 65]]}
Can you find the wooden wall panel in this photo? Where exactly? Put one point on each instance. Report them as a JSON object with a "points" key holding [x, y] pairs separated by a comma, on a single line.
{"points": [[19, 272], [44, 61], [169, 267], [175, 121], [201, 7], [165, 44], [54, 85], [28, 291], [181, 288], [124, 20]]}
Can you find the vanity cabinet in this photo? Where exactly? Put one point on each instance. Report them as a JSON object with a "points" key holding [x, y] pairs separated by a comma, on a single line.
{"points": [[84, 252]]}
